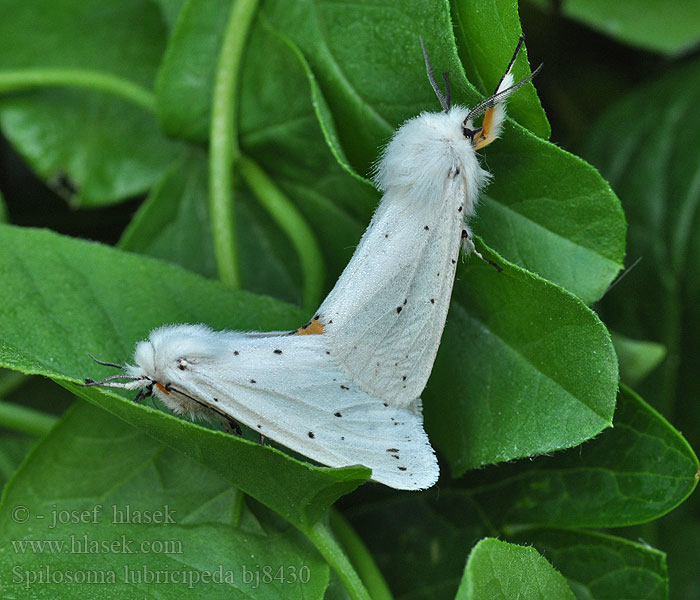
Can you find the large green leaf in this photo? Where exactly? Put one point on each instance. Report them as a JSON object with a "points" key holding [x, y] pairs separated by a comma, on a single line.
{"points": [[603, 567], [13, 449], [123, 507], [174, 224], [655, 25], [108, 148], [334, 203], [170, 10], [634, 473], [497, 570], [540, 196], [90, 298], [184, 87], [546, 194], [523, 368], [637, 358], [486, 34], [436, 531], [657, 179]]}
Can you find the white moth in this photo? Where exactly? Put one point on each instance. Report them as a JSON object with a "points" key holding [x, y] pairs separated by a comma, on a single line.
{"points": [[345, 388], [386, 313]]}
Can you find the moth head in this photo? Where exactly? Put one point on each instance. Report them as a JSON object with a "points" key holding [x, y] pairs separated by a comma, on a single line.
{"points": [[132, 378], [492, 108]]}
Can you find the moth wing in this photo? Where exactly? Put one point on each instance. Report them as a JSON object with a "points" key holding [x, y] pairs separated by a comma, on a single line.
{"points": [[290, 389], [386, 314]]}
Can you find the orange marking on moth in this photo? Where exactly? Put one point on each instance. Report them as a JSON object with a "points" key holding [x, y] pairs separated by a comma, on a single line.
{"points": [[485, 138], [313, 327], [161, 387]]}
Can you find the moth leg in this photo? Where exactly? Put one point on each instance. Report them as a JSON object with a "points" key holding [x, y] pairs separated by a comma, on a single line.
{"points": [[231, 426], [261, 439], [468, 247]]}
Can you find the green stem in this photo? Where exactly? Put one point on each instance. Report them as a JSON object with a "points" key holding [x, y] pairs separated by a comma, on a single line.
{"points": [[359, 556], [290, 220], [27, 79], [223, 140], [238, 505], [321, 537], [27, 420]]}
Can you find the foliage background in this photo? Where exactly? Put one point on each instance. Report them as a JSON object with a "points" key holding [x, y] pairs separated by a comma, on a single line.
{"points": [[106, 113]]}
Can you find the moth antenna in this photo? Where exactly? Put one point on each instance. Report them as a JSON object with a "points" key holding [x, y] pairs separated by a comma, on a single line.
{"points": [[621, 276], [106, 381], [446, 79], [512, 61], [496, 98], [444, 101], [105, 364]]}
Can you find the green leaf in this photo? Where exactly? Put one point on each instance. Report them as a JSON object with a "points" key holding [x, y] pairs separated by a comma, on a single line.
{"points": [[634, 473], [13, 449], [437, 528], [678, 535], [170, 9], [174, 224], [657, 179], [434, 529], [551, 213], [3, 210], [655, 25], [498, 570], [482, 47], [540, 197], [637, 357], [107, 148], [603, 566], [184, 87], [523, 368], [286, 141], [541, 194], [116, 474], [103, 301]]}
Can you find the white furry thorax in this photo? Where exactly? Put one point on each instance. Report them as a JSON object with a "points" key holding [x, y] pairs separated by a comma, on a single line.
{"points": [[157, 355], [430, 148]]}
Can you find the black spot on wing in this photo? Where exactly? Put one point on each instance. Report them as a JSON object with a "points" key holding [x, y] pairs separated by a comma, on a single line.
{"points": [[311, 435]]}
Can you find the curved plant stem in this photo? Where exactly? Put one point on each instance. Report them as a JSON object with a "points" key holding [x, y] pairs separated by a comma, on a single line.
{"points": [[27, 79], [223, 140], [24, 419], [290, 220], [321, 537], [359, 556]]}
